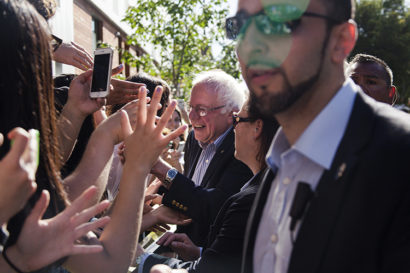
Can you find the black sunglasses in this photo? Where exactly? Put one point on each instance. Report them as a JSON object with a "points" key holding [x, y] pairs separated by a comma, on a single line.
{"points": [[55, 42], [236, 119], [267, 22]]}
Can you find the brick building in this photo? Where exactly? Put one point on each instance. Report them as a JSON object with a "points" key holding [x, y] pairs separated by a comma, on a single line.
{"points": [[88, 22]]}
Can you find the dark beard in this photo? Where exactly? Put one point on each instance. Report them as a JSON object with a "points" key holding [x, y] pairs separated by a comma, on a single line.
{"points": [[268, 104]]}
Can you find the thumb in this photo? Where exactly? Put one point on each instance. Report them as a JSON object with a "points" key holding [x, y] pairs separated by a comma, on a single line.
{"points": [[42, 203], [84, 77], [19, 138], [117, 70], [125, 124]]}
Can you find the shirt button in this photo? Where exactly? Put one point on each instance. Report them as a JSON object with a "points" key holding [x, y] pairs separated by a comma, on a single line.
{"points": [[274, 238], [207, 161], [286, 181]]}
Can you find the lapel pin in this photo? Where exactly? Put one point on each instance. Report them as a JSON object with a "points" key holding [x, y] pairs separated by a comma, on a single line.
{"points": [[341, 170]]}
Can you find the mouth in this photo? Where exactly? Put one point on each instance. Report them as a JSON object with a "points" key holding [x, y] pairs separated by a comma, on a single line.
{"points": [[261, 76], [198, 126]]}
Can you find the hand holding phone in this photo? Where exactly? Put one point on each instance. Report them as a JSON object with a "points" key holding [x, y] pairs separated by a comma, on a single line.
{"points": [[100, 83]]}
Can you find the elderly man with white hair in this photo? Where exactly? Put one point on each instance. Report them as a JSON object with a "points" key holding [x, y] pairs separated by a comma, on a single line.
{"points": [[211, 172]]}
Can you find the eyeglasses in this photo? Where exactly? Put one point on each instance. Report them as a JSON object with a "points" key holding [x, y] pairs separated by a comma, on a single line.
{"points": [[202, 111], [275, 19], [55, 42], [236, 120]]}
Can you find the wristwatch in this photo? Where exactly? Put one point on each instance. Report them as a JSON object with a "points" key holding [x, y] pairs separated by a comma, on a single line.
{"points": [[171, 174]]}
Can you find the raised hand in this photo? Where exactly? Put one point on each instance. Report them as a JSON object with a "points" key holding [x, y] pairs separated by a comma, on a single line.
{"points": [[161, 216], [42, 242], [181, 244], [73, 54], [79, 96], [17, 173], [147, 141], [123, 91]]}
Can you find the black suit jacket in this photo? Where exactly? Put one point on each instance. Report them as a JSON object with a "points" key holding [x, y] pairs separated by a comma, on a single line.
{"points": [[224, 177], [359, 218]]}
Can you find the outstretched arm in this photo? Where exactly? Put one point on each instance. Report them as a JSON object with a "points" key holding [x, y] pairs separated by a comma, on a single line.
{"points": [[143, 146], [42, 242]]}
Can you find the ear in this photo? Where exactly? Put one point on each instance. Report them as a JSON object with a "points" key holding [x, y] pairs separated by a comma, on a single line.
{"points": [[344, 42], [392, 91], [258, 128]]}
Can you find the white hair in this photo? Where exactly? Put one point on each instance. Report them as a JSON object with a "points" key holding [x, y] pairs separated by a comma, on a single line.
{"points": [[228, 90]]}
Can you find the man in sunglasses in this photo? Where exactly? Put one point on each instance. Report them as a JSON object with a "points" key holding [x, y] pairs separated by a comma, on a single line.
{"points": [[339, 201]]}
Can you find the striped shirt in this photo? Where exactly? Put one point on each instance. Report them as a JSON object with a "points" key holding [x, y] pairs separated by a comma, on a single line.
{"points": [[208, 152]]}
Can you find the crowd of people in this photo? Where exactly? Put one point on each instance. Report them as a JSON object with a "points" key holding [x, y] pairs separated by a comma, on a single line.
{"points": [[305, 171]]}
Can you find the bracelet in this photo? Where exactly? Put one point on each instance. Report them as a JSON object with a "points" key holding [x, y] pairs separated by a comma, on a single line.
{"points": [[9, 262]]}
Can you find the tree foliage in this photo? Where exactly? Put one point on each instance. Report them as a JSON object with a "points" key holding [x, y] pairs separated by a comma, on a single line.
{"points": [[182, 34], [384, 31]]}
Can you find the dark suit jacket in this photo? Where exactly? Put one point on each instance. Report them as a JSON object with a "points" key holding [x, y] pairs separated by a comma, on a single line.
{"points": [[359, 217], [224, 177], [225, 239]]}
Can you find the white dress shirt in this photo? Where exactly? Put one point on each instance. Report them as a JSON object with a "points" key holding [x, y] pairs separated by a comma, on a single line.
{"points": [[305, 161]]}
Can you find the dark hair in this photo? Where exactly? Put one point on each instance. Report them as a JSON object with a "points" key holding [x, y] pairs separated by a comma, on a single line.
{"points": [[269, 128], [340, 10], [151, 82], [46, 8], [26, 86], [370, 59]]}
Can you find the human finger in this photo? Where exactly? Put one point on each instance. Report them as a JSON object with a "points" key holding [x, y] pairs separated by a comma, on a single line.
{"points": [[1, 139], [40, 207], [86, 249], [82, 58], [84, 77], [116, 70], [125, 125], [127, 85], [142, 106], [86, 227], [85, 52], [77, 63], [19, 138], [81, 202], [164, 238], [162, 122], [86, 214], [150, 197]]}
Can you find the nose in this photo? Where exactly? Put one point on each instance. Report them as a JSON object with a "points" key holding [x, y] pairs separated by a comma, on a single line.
{"points": [[251, 43], [193, 115]]}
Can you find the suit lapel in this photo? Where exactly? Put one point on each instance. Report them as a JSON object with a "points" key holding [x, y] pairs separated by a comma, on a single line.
{"points": [[195, 152], [223, 151], [324, 209], [254, 219]]}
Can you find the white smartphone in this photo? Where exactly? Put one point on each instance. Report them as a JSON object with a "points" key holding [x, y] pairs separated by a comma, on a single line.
{"points": [[100, 83]]}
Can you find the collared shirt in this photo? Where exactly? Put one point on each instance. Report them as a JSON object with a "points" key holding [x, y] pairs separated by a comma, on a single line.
{"points": [[305, 161], [208, 152]]}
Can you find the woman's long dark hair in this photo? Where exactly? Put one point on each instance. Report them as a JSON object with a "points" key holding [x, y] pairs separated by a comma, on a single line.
{"points": [[270, 126], [26, 86]]}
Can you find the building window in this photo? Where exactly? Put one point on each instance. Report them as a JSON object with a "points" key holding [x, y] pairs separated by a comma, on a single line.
{"points": [[96, 28]]}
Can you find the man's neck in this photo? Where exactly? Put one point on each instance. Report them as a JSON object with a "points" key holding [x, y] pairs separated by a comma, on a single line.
{"points": [[297, 118]]}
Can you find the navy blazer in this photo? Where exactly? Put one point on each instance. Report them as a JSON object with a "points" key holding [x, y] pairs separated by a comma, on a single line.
{"points": [[359, 217], [224, 177]]}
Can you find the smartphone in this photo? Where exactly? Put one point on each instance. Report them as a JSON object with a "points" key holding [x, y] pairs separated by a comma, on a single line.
{"points": [[100, 83], [181, 146]]}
